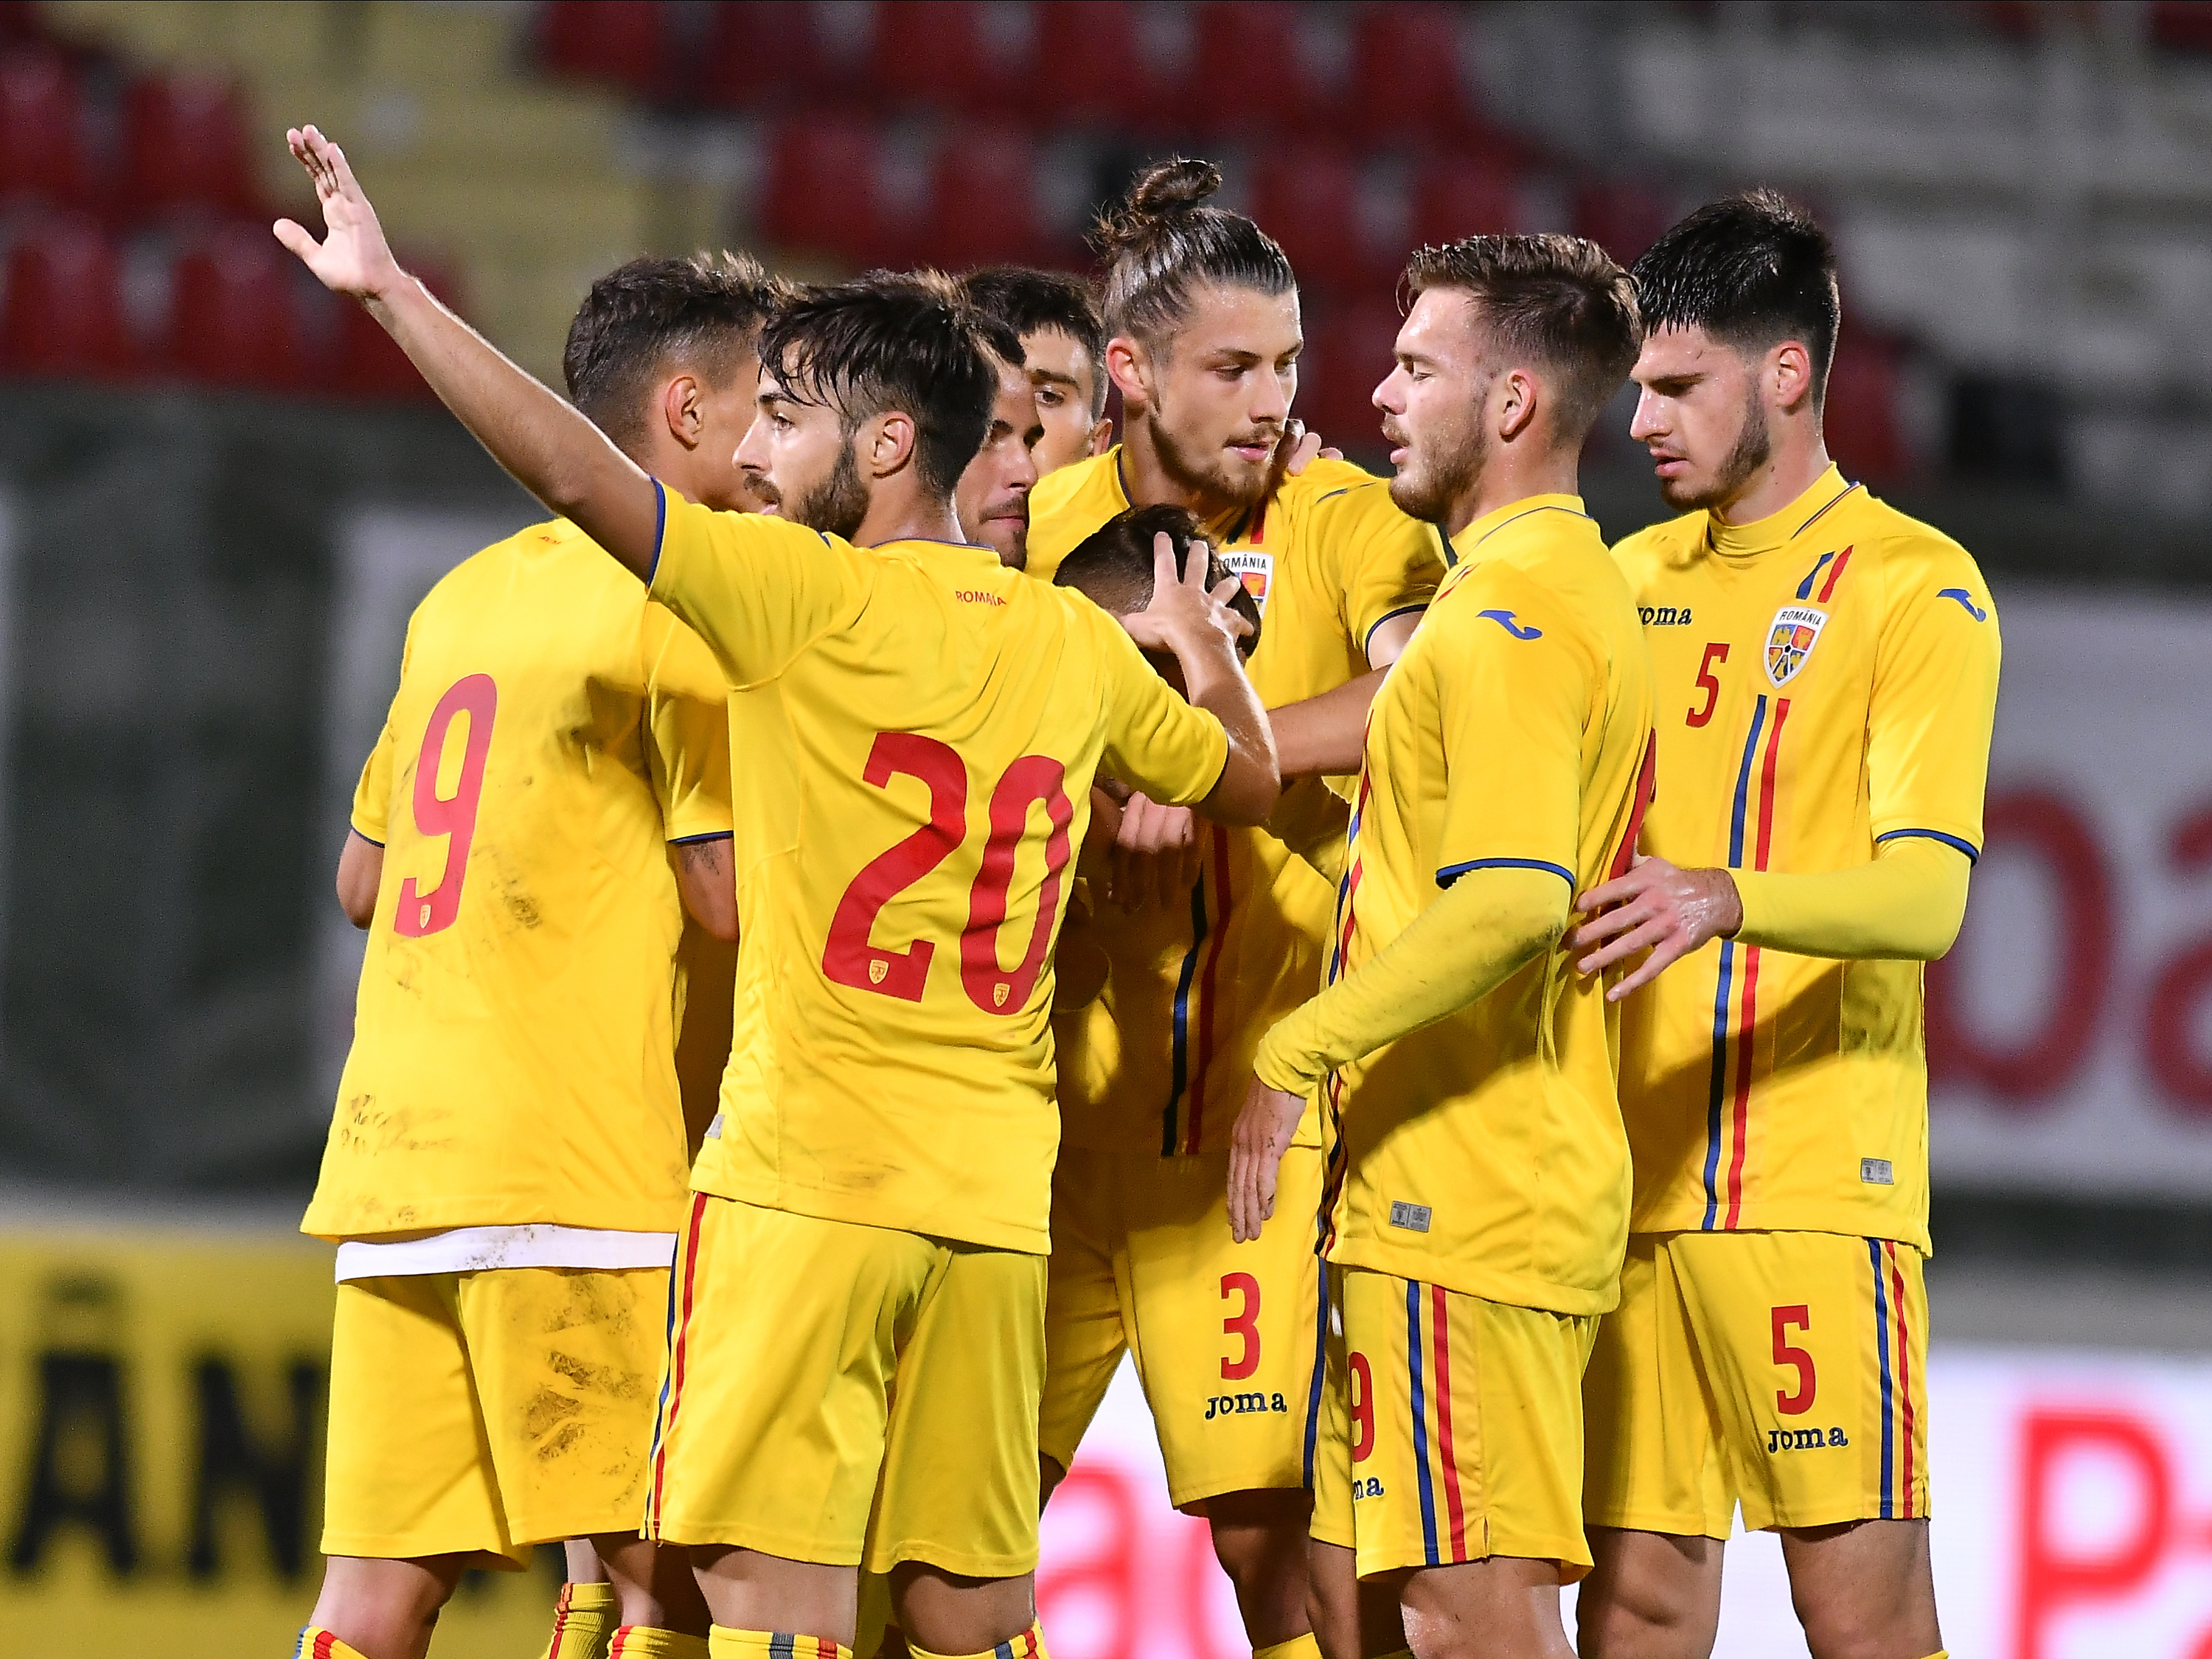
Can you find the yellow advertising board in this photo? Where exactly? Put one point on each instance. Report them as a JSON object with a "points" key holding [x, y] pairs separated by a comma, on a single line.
{"points": [[161, 1426]]}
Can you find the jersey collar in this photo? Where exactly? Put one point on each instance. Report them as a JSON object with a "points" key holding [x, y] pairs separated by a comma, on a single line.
{"points": [[1744, 541], [1464, 548]]}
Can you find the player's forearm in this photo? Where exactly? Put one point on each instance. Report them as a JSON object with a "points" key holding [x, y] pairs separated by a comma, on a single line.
{"points": [[553, 452], [1250, 782], [1489, 925], [1904, 906], [1310, 820], [1323, 735]]}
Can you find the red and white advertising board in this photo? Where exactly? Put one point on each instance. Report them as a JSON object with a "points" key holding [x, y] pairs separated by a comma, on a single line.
{"points": [[2072, 1502]]}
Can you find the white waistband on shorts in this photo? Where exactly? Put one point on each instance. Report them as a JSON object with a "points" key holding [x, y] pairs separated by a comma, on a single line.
{"points": [[529, 1245]]}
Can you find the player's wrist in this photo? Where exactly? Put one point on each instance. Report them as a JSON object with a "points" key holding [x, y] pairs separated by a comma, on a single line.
{"points": [[1726, 900]]}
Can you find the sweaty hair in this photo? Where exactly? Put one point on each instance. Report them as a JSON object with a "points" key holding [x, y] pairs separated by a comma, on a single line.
{"points": [[1752, 271], [1557, 302], [652, 315], [1114, 565], [1027, 301], [904, 341], [1164, 240]]}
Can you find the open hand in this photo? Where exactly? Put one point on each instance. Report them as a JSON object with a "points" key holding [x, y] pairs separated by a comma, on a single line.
{"points": [[1184, 613], [1656, 907], [1264, 1127], [353, 257]]}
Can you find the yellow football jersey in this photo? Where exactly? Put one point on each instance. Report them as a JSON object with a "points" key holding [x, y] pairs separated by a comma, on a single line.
{"points": [[1162, 1058], [1827, 681], [921, 728], [515, 1047], [1484, 1154]]}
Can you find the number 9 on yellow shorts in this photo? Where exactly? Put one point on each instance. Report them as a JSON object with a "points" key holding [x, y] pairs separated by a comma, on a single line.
{"points": [[1783, 1371]]}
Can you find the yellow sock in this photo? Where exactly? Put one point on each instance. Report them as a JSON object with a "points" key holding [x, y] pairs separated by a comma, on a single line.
{"points": [[644, 1642], [316, 1643], [723, 1642], [584, 1621], [1299, 1647], [1030, 1644]]}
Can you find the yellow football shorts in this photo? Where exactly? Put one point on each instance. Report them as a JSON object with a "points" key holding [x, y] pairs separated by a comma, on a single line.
{"points": [[1451, 1427], [490, 1412], [832, 1385], [1226, 1336], [1784, 1372]]}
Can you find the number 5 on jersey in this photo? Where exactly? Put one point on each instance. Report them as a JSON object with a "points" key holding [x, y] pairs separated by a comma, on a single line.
{"points": [[453, 816], [850, 958]]}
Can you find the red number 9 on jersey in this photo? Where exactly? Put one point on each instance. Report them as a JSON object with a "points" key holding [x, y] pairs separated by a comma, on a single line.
{"points": [[452, 816]]}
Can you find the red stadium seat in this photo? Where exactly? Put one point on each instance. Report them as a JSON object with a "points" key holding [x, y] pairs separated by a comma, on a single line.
{"points": [[2182, 25], [368, 363], [1407, 77], [1861, 417], [1247, 72], [1305, 194], [42, 147], [820, 193], [1622, 216], [62, 311], [1348, 352], [760, 54], [1090, 67], [184, 144], [1470, 194], [234, 312], [983, 202], [933, 54], [621, 42]]}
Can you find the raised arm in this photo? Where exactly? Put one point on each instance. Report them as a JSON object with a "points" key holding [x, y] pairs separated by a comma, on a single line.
{"points": [[552, 451]]}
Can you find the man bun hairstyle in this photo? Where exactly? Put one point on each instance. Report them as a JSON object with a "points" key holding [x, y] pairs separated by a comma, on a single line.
{"points": [[1166, 239], [1752, 270], [1113, 565], [646, 318], [1557, 302], [904, 341], [1029, 300]]}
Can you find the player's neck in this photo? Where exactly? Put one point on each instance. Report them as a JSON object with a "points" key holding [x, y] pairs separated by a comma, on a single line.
{"points": [[1508, 477], [1793, 466], [906, 515], [1148, 483]]}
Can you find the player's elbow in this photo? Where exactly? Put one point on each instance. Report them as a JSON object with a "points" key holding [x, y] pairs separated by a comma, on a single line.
{"points": [[360, 873], [718, 919], [1248, 789]]}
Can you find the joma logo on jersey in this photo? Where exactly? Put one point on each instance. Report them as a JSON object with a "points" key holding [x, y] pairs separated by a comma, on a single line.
{"points": [[1256, 569], [1236, 1405], [1663, 615], [1370, 1488], [1796, 628], [1783, 1440]]}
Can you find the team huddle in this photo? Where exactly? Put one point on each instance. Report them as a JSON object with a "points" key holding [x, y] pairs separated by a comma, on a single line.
{"points": [[905, 892]]}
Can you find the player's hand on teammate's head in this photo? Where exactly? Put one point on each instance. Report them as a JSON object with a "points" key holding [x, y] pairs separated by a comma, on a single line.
{"points": [[353, 257], [1264, 1127], [1656, 907], [1184, 614], [1155, 858]]}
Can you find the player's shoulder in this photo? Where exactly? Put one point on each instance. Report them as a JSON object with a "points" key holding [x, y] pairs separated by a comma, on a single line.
{"points": [[1324, 480], [1913, 555], [1092, 487], [1669, 544]]}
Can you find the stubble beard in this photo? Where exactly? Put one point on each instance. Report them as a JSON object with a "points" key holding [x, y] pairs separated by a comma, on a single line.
{"points": [[1209, 478], [1754, 445], [1431, 487], [838, 503]]}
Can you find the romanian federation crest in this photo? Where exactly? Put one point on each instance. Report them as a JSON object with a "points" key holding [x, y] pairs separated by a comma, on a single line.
{"points": [[1796, 628], [1256, 569]]}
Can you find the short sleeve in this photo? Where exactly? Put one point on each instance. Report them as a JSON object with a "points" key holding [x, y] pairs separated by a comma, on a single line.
{"points": [[758, 589], [1514, 697], [372, 796], [1155, 741], [1935, 700], [688, 749], [1389, 564]]}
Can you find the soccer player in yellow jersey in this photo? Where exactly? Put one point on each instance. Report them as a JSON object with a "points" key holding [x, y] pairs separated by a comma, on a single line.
{"points": [[1827, 675], [1479, 1176], [992, 497], [921, 723], [1064, 354], [1202, 310], [506, 1169]]}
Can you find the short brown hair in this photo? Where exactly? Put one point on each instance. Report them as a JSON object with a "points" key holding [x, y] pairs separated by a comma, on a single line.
{"points": [[651, 314], [1557, 301], [1114, 566]]}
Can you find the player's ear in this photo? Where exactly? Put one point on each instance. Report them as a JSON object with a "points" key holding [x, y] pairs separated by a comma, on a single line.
{"points": [[1102, 437], [1129, 366], [680, 408], [1514, 397], [886, 442], [1790, 373]]}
